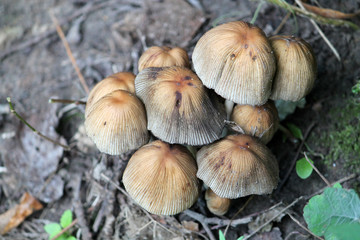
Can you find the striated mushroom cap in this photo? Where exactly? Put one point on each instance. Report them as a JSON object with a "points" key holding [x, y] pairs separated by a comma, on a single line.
{"points": [[164, 57], [178, 107], [259, 121], [296, 68], [117, 123], [236, 60], [117, 81], [237, 166], [161, 178], [217, 205]]}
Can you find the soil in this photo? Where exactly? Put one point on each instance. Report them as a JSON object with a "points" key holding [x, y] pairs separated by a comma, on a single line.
{"points": [[110, 36]]}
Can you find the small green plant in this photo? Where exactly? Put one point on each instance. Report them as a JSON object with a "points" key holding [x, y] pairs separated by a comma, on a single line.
{"points": [[304, 168], [54, 229], [222, 237], [356, 88], [335, 214]]}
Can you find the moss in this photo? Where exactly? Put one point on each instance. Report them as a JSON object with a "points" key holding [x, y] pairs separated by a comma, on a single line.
{"points": [[342, 139]]}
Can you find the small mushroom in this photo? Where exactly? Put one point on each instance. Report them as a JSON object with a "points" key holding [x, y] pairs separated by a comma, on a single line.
{"points": [[237, 166], [259, 121], [217, 205], [237, 61], [117, 81], [117, 123], [164, 57], [161, 178], [178, 107], [296, 68]]}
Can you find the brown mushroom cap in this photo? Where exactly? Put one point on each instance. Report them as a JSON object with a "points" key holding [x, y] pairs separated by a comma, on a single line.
{"points": [[259, 121], [117, 81], [237, 166], [178, 107], [164, 57], [117, 123], [236, 60], [296, 68], [161, 178], [217, 205]]}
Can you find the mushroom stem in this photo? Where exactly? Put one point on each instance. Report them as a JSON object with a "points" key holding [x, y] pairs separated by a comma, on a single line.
{"points": [[229, 105]]}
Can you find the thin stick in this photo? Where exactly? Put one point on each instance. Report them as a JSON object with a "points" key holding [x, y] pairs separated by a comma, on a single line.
{"points": [[240, 210], [302, 226], [333, 49], [257, 12], [281, 25], [67, 101], [65, 229], [317, 171], [296, 157], [12, 110], [69, 53]]}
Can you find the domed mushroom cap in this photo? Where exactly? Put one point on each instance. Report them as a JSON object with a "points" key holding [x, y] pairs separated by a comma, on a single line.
{"points": [[178, 107], [237, 166], [259, 121], [164, 57], [217, 205], [117, 123], [296, 68], [117, 81], [161, 178], [236, 60]]}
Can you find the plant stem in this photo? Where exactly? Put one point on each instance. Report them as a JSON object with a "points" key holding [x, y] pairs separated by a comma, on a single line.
{"points": [[317, 170], [12, 110], [67, 101], [257, 12]]}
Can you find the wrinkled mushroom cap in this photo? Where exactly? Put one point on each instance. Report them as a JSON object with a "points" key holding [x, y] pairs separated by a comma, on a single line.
{"points": [[164, 57], [217, 205], [236, 60], [259, 121], [296, 68], [161, 178], [178, 107], [237, 166], [117, 123], [117, 81]]}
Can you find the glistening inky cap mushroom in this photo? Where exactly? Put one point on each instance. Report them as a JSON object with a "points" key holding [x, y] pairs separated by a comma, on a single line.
{"points": [[236, 60], [217, 205], [161, 178], [237, 166], [163, 57], [178, 107], [117, 123], [296, 68]]}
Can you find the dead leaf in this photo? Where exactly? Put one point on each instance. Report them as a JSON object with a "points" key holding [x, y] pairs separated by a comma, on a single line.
{"points": [[329, 13], [266, 216], [16, 215], [275, 234], [190, 225]]}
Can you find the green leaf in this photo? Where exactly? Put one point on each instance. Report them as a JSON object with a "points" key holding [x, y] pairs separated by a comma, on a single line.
{"points": [[66, 218], [52, 229], [347, 231], [221, 235], [286, 108], [71, 238], [241, 238], [303, 168], [295, 130], [336, 206]]}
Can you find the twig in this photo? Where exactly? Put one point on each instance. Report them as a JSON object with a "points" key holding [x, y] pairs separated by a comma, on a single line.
{"points": [[333, 49], [69, 53], [201, 218], [272, 219], [65, 229], [281, 25], [12, 110], [317, 170], [296, 157], [239, 211], [67, 101], [302, 226]]}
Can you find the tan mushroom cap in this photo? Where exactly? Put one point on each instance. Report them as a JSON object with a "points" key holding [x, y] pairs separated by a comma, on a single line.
{"points": [[237, 166], [117, 81], [178, 107], [217, 205], [161, 178], [117, 123], [236, 60], [296, 68], [259, 121], [164, 57]]}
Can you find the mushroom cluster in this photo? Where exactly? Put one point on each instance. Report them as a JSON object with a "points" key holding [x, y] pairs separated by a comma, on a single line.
{"points": [[233, 62]]}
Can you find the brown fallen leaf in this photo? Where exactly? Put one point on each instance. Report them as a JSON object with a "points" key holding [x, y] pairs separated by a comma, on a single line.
{"points": [[329, 13], [190, 225], [17, 214]]}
